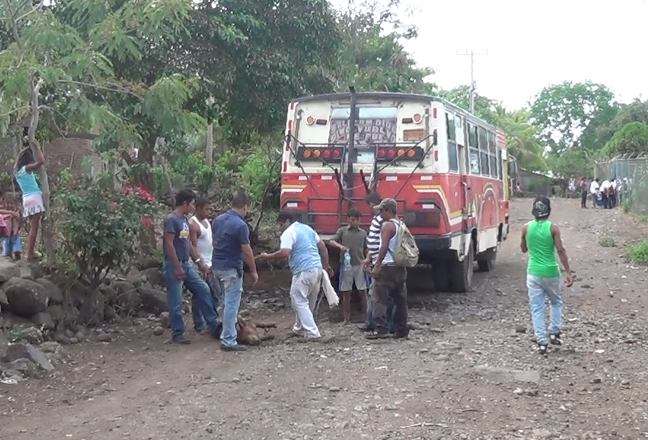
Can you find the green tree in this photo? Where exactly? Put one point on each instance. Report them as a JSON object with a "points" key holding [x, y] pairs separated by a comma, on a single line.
{"points": [[57, 61], [636, 111], [485, 108], [632, 138], [371, 55], [563, 112], [522, 139], [575, 162], [253, 57]]}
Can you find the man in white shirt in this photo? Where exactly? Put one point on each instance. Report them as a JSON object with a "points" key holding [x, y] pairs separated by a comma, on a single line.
{"points": [[594, 189], [604, 189], [200, 234], [307, 258]]}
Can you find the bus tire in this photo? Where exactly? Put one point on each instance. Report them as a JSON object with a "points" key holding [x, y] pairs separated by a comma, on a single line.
{"points": [[440, 276], [486, 260], [461, 272]]}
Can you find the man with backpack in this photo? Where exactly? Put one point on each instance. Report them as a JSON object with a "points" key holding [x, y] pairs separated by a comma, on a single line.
{"points": [[397, 252]]}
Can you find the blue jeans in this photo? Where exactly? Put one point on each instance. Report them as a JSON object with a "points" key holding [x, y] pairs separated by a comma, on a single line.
{"points": [[199, 290], [231, 283], [541, 289], [198, 318], [11, 245]]}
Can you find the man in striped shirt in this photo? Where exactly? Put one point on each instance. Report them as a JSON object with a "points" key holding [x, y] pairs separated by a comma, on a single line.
{"points": [[373, 248]]}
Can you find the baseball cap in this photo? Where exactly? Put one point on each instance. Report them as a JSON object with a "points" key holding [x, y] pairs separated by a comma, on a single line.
{"points": [[389, 204]]}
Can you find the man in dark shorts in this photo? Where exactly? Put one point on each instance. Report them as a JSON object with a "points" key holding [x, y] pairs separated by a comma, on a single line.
{"points": [[179, 269]]}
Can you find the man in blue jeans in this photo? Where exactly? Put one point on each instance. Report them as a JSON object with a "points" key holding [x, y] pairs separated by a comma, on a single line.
{"points": [[541, 239], [232, 247], [179, 269]]}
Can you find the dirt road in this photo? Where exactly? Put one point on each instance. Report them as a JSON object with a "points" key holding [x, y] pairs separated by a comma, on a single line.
{"points": [[468, 371]]}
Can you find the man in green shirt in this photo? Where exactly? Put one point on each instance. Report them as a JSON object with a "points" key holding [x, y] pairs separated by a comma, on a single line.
{"points": [[351, 239], [541, 238]]}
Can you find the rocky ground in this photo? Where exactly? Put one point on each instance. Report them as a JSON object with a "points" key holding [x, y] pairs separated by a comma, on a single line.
{"points": [[468, 370]]}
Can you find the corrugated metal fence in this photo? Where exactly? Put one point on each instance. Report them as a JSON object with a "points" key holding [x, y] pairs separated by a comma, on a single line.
{"points": [[632, 173]]}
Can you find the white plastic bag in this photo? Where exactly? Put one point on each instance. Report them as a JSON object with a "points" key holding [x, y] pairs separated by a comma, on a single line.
{"points": [[331, 297]]}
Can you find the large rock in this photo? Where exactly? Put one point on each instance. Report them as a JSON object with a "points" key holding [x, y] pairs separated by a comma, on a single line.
{"points": [[153, 300], [28, 334], [135, 277], [53, 291], [25, 367], [25, 297], [44, 320], [8, 321], [58, 314], [122, 286], [147, 262], [154, 276], [8, 272], [109, 294], [30, 271], [91, 311], [79, 292], [128, 302], [28, 351]]}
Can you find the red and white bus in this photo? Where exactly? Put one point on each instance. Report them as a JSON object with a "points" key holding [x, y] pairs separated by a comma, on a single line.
{"points": [[445, 167]]}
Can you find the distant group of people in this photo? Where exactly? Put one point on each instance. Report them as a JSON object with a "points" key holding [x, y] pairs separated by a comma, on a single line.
{"points": [[29, 161], [208, 258], [606, 194]]}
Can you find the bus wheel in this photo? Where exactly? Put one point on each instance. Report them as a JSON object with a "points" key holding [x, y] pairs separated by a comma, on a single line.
{"points": [[486, 260], [440, 276], [461, 272]]}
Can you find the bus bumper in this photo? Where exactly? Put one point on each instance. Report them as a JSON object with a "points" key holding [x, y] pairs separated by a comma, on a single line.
{"points": [[434, 247]]}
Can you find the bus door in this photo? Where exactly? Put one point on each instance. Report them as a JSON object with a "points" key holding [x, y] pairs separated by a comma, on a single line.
{"points": [[464, 167]]}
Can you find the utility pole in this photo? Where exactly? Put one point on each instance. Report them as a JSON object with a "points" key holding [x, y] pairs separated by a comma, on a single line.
{"points": [[473, 84]]}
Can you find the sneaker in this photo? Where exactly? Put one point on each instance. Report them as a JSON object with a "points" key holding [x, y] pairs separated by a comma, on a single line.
{"points": [[181, 339], [542, 349], [377, 335], [555, 339], [237, 347], [365, 328]]}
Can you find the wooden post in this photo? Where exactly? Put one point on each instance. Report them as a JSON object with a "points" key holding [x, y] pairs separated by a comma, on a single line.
{"points": [[209, 144]]}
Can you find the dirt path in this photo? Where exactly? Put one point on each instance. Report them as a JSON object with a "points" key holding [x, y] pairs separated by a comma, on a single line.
{"points": [[467, 372]]}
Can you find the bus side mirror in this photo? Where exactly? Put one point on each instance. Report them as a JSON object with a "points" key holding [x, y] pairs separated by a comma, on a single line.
{"points": [[435, 138]]}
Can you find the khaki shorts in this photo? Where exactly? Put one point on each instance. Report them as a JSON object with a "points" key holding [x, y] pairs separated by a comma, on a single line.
{"points": [[355, 274]]}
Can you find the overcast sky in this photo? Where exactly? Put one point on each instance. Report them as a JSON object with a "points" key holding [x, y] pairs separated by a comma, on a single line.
{"points": [[527, 45]]}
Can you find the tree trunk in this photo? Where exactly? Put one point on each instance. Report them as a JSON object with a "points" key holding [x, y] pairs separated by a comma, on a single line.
{"points": [[218, 138], [47, 227], [209, 144]]}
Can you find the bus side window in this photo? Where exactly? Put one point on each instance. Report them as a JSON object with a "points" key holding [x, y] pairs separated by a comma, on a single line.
{"points": [[493, 154], [483, 152], [499, 163], [473, 151], [453, 162]]}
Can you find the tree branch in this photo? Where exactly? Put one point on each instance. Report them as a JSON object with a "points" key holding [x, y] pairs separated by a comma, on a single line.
{"points": [[116, 89]]}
